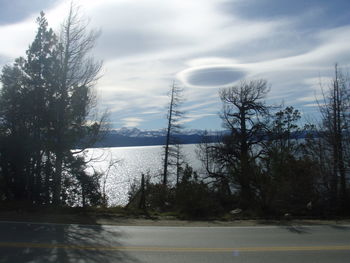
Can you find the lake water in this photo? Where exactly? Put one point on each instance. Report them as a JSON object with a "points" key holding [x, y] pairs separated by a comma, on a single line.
{"points": [[129, 164]]}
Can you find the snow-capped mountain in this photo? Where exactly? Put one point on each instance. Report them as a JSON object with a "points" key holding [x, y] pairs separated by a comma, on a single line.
{"points": [[137, 137], [135, 132]]}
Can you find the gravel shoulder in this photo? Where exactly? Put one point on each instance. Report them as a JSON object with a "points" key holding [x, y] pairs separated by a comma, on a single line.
{"points": [[122, 220]]}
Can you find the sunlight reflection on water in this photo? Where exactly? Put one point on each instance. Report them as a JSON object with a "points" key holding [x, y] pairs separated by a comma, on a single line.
{"points": [[131, 162]]}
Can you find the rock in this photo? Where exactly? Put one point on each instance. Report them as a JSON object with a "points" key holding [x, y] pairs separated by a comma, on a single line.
{"points": [[235, 211], [309, 205], [287, 216]]}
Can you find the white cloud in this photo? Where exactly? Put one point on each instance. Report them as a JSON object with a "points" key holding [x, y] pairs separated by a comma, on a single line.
{"points": [[198, 105], [310, 98], [131, 121], [333, 47], [193, 117], [314, 105], [18, 37], [146, 44]]}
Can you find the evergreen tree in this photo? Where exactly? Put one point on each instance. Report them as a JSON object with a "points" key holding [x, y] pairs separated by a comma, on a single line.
{"points": [[46, 103], [25, 110], [243, 115]]}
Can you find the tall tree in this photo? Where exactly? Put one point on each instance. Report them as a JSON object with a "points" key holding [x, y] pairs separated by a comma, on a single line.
{"points": [[172, 148], [74, 99], [335, 121], [24, 108], [48, 108], [40, 68], [14, 139], [287, 182], [243, 115], [282, 135]]}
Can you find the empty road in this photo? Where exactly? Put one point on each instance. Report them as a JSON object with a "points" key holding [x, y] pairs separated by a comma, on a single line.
{"points": [[36, 242]]}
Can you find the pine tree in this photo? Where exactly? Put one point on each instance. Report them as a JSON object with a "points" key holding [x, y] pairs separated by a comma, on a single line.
{"points": [[25, 110], [46, 103], [243, 115]]}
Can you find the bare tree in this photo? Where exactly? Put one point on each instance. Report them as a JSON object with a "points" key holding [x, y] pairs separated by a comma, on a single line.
{"points": [[174, 125], [335, 121], [74, 99], [209, 154], [178, 160], [243, 113]]}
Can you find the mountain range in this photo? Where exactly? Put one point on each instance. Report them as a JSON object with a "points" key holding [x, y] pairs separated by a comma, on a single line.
{"points": [[124, 137]]}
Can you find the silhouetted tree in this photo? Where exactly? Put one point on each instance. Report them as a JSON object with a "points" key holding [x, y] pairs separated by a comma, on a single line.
{"points": [[40, 68], [243, 115], [335, 134], [214, 167], [27, 86], [47, 109], [74, 99], [172, 149], [13, 133], [288, 179]]}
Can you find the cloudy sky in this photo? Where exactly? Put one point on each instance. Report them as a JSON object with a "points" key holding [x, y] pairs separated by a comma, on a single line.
{"points": [[203, 45]]}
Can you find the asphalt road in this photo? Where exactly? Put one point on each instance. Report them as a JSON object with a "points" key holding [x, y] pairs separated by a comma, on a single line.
{"points": [[31, 242]]}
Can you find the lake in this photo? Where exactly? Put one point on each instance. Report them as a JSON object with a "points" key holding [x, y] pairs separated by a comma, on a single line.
{"points": [[128, 165]]}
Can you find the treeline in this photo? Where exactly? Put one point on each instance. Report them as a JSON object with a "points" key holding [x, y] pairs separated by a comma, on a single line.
{"points": [[47, 108], [262, 167]]}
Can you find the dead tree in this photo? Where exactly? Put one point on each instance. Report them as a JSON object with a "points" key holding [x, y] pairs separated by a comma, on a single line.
{"points": [[174, 125]]}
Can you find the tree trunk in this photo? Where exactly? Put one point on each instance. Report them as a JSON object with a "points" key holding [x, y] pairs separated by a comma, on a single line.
{"points": [[166, 153], [57, 179]]}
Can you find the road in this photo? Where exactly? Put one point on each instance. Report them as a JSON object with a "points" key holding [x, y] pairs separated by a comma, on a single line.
{"points": [[35, 242]]}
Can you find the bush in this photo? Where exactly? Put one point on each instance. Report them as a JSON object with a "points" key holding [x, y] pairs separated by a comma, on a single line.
{"points": [[191, 198], [159, 197], [194, 198]]}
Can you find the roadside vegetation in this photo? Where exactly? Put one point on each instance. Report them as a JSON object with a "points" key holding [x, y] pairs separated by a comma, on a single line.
{"points": [[268, 164], [48, 115]]}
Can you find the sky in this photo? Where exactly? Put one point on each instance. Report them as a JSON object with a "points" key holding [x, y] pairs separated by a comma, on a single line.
{"points": [[202, 45]]}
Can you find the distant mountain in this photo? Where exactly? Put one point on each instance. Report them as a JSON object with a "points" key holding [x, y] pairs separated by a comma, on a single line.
{"points": [[135, 132], [123, 137]]}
